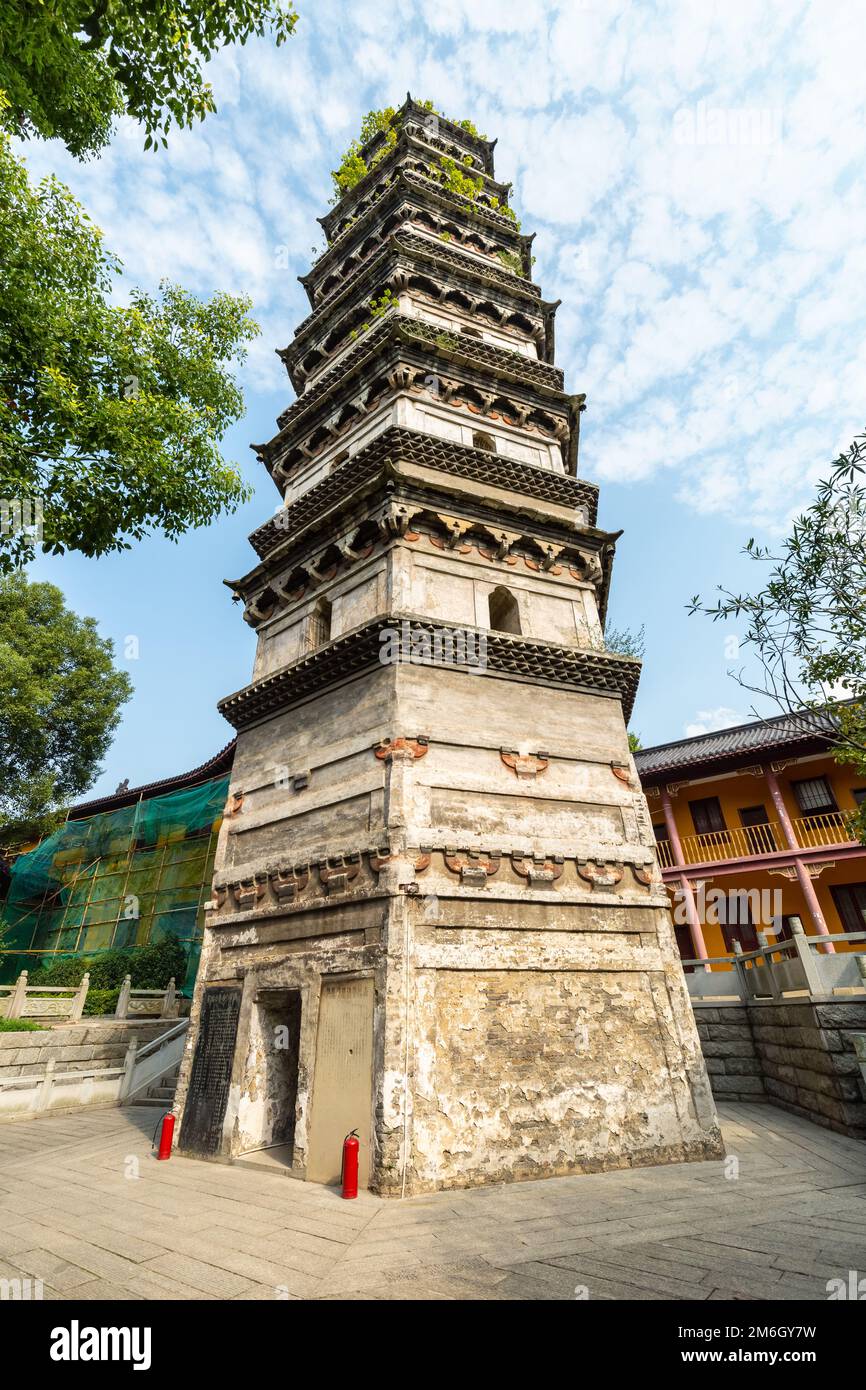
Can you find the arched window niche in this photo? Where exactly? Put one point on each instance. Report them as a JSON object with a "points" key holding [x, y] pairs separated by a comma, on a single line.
{"points": [[504, 613], [319, 630]]}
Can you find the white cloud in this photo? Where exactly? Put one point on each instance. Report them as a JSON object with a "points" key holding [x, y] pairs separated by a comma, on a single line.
{"points": [[710, 721]]}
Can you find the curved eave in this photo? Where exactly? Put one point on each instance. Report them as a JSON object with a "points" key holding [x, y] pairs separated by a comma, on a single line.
{"points": [[220, 763]]}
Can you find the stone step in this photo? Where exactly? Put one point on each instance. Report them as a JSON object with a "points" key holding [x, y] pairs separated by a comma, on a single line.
{"points": [[161, 1092]]}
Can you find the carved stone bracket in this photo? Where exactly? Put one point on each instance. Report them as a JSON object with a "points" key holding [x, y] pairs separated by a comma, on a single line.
{"points": [[234, 804], [504, 540], [645, 874], [473, 867], [455, 529], [422, 857], [525, 765], [600, 875], [337, 873], [536, 869], [249, 891], [378, 858], [286, 884], [394, 519], [401, 748], [622, 771], [551, 555]]}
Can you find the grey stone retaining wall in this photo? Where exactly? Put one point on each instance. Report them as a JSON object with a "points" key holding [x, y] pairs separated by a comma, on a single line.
{"points": [[733, 1064], [796, 1053], [75, 1046]]}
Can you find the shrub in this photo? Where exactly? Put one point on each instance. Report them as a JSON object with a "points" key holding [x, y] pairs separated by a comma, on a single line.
{"points": [[151, 967], [18, 1025], [100, 1001]]}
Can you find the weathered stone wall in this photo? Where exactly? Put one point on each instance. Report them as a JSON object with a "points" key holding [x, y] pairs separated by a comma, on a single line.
{"points": [[531, 1014], [798, 1054]]}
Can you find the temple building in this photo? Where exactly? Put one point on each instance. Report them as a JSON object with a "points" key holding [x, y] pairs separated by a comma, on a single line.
{"points": [[760, 813], [122, 872], [437, 918]]}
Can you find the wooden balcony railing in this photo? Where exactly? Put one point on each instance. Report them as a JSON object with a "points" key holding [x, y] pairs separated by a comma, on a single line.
{"points": [[746, 841], [664, 854], [740, 842], [829, 828]]}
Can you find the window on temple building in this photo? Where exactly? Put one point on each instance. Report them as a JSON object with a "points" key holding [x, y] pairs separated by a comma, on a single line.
{"points": [[481, 440], [759, 833], [735, 918], [504, 615], [850, 900], [707, 815], [319, 630], [814, 796], [859, 794]]}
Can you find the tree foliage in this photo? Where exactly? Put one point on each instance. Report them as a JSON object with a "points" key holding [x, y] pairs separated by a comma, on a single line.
{"points": [[151, 967], [110, 415], [70, 67], [60, 702], [807, 625], [626, 641]]}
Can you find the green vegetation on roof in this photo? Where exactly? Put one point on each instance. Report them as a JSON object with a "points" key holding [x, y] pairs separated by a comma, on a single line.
{"points": [[353, 166]]}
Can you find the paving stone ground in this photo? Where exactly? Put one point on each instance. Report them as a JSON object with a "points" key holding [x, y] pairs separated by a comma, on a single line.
{"points": [[85, 1208]]}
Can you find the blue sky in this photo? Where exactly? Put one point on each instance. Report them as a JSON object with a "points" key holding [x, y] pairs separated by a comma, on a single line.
{"points": [[694, 176]]}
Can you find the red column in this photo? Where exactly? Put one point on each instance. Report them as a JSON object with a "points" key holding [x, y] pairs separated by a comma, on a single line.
{"points": [[692, 917], [803, 875]]}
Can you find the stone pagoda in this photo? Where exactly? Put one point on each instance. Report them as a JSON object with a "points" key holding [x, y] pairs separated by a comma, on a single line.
{"points": [[436, 915]]}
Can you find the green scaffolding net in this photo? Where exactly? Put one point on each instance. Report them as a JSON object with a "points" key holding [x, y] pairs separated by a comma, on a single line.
{"points": [[119, 880]]}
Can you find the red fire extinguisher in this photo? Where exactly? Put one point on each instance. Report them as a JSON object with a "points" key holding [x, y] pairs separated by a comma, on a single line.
{"points": [[351, 1148], [166, 1135]]}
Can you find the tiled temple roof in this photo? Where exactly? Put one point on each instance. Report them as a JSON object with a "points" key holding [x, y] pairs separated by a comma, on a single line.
{"points": [[726, 749], [221, 762]]}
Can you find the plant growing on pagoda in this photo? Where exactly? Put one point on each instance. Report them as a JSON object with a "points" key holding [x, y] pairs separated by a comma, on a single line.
{"points": [[378, 308], [807, 625], [511, 261], [60, 703], [452, 177], [353, 166]]}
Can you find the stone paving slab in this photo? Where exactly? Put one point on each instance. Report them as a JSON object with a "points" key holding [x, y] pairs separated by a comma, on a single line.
{"points": [[85, 1208]]}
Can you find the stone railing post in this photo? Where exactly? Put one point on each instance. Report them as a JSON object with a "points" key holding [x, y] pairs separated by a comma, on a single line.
{"points": [[18, 998], [811, 963], [47, 1083], [79, 1000], [128, 1070], [122, 1008], [169, 1005], [741, 973]]}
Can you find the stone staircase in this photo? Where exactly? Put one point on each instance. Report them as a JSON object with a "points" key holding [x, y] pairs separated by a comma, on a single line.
{"points": [[161, 1093]]}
